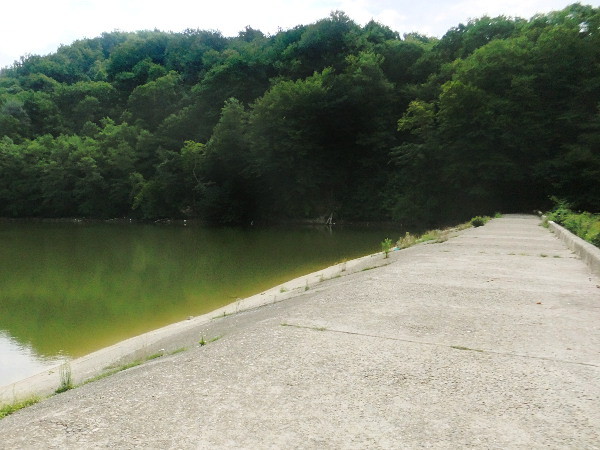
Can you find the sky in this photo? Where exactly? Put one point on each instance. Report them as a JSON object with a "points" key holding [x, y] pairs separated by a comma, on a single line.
{"points": [[41, 26]]}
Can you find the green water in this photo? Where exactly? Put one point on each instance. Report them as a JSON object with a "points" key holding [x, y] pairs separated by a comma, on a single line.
{"points": [[70, 289]]}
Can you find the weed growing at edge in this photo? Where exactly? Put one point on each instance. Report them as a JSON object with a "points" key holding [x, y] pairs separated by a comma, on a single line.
{"points": [[479, 221], [203, 341], [66, 380], [437, 236], [114, 369], [407, 241], [464, 226], [224, 314], [7, 410], [386, 246]]}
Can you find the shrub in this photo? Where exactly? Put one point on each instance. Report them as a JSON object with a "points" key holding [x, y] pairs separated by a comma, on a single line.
{"points": [[583, 224], [386, 246], [560, 211], [407, 241], [478, 221]]}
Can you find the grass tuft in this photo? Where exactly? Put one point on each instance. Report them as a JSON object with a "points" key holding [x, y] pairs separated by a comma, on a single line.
{"points": [[66, 380], [437, 236], [407, 241], [7, 410], [155, 355]]}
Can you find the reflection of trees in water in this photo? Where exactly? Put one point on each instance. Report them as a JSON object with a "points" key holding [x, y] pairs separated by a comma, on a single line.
{"points": [[79, 287]]}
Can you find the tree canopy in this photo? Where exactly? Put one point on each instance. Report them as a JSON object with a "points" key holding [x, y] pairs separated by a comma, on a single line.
{"points": [[332, 117]]}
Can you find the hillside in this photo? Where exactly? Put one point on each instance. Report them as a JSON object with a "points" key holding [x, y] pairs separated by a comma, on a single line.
{"points": [[498, 114]]}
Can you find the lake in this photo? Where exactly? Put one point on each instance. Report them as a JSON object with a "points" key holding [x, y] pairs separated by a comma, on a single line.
{"points": [[67, 289]]}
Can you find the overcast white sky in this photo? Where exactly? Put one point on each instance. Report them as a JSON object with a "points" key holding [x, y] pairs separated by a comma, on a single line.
{"points": [[40, 26]]}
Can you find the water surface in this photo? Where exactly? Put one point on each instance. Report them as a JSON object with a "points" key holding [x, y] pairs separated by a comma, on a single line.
{"points": [[69, 289]]}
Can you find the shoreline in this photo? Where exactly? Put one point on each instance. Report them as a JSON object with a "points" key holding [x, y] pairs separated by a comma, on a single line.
{"points": [[195, 221], [175, 336]]}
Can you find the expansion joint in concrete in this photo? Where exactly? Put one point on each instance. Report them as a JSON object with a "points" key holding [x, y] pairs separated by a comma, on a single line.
{"points": [[438, 344]]}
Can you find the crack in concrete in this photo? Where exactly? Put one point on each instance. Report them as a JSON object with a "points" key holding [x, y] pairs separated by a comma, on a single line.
{"points": [[437, 344]]}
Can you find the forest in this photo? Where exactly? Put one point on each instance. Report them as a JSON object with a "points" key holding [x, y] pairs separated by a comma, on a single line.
{"points": [[333, 117]]}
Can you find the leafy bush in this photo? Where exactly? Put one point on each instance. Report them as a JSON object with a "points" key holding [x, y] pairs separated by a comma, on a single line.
{"points": [[583, 224], [386, 246], [560, 212], [479, 221]]}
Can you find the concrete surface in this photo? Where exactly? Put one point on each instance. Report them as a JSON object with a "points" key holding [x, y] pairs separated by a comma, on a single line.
{"points": [[489, 340], [589, 254]]}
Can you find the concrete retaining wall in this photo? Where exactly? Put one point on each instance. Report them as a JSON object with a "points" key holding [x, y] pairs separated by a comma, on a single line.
{"points": [[589, 253]]}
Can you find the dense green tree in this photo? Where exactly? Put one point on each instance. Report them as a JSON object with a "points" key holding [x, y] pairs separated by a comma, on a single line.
{"points": [[185, 52], [324, 44], [244, 76], [461, 41], [220, 170], [17, 171], [287, 146], [419, 192], [15, 123], [154, 101], [85, 101]]}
